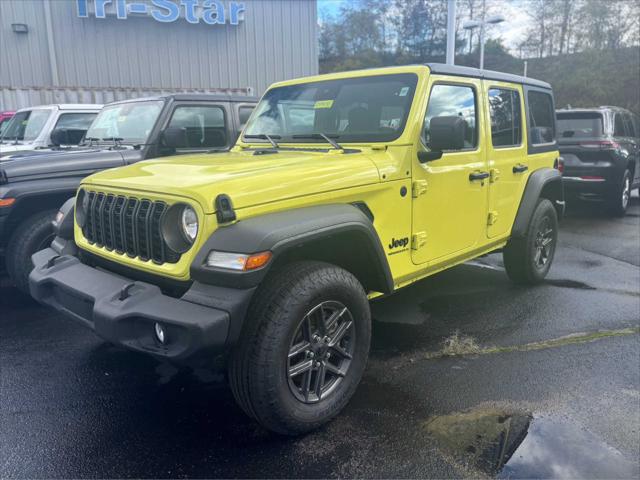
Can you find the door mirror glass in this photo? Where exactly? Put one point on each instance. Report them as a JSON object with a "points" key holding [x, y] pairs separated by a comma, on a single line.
{"points": [[447, 133], [175, 137], [67, 136]]}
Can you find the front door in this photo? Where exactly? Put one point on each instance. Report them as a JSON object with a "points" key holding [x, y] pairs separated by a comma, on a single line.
{"points": [[506, 154], [450, 193]]}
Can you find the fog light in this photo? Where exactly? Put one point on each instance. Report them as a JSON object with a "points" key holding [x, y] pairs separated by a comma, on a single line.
{"points": [[160, 334]]}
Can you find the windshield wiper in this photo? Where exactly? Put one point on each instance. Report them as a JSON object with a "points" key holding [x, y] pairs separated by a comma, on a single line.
{"points": [[91, 140], [264, 136], [116, 141], [333, 143]]}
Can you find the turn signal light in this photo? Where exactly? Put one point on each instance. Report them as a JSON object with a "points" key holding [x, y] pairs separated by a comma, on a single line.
{"points": [[257, 260], [237, 261], [7, 202]]}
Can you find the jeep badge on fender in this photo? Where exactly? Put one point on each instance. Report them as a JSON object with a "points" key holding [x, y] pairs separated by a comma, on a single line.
{"points": [[280, 289], [403, 242]]}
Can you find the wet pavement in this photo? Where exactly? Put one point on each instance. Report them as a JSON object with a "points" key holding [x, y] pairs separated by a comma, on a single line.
{"points": [[546, 384]]}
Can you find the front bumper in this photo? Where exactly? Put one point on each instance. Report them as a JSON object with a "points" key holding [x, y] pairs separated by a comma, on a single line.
{"points": [[125, 312]]}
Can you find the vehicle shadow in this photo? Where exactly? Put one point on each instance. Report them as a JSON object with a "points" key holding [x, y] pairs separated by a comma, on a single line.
{"points": [[585, 209]]}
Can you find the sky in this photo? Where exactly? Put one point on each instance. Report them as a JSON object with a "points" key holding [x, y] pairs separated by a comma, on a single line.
{"points": [[512, 30]]}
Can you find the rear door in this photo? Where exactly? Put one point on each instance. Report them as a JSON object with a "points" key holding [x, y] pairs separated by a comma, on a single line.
{"points": [[506, 153], [449, 205]]}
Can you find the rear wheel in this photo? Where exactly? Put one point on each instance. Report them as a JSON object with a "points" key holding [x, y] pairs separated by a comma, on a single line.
{"points": [[304, 348], [32, 235], [527, 260], [619, 197]]}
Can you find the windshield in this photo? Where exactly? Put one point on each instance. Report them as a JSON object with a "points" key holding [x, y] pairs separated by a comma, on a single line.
{"points": [[3, 123], [26, 125], [363, 109], [131, 122], [579, 124]]}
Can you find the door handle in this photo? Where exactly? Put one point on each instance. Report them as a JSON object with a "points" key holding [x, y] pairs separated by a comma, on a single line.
{"points": [[519, 168], [475, 176]]}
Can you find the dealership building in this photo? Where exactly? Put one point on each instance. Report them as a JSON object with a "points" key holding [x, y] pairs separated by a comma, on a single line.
{"points": [[96, 51]]}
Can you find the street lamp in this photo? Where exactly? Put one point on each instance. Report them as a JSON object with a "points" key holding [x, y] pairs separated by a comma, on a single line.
{"points": [[471, 24]]}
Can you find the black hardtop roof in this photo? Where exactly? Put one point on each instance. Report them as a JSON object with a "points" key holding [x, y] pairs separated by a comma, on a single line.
{"points": [[193, 97], [459, 71], [600, 109]]}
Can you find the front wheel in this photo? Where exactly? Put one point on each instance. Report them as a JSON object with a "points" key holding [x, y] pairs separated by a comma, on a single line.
{"points": [[32, 235], [304, 348], [527, 260]]}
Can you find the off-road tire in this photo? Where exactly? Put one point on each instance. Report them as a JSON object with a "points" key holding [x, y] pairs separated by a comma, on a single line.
{"points": [[520, 255], [618, 199], [30, 236], [258, 363]]}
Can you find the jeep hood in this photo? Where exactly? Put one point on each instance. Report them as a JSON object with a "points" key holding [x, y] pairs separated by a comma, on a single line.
{"points": [[249, 179]]}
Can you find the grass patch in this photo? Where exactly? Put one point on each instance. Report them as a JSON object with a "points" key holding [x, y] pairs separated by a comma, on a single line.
{"points": [[458, 344]]}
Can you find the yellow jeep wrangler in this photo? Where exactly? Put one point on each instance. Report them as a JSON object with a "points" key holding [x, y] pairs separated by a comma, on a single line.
{"points": [[342, 188]]}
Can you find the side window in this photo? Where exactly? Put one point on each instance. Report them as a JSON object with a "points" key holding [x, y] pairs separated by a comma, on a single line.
{"points": [[453, 100], [540, 118], [618, 126], [205, 127], [244, 113], [628, 123], [80, 121], [506, 119]]}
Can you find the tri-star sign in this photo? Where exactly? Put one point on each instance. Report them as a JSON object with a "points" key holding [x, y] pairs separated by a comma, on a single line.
{"points": [[211, 12]]}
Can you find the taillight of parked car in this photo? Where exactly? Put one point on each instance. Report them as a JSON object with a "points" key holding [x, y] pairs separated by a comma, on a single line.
{"points": [[601, 144], [559, 164]]}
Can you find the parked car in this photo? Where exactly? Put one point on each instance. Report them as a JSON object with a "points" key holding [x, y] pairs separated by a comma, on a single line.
{"points": [[4, 119], [342, 188], [33, 187], [600, 148], [37, 127]]}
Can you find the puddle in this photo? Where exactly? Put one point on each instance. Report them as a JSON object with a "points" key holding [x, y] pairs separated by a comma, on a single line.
{"points": [[521, 445], [570, 284]]}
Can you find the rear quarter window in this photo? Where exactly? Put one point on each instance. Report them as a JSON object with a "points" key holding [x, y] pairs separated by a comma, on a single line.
{"points": [[541, 118]]}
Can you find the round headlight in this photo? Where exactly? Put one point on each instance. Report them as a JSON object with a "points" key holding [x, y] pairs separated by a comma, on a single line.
{"points": [[180, 227], [82, 205], [189, 223]]}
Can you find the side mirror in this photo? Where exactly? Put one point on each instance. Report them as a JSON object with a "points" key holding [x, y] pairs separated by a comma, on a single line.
{"points": [[59, 137], [175, 137], [445, 133], [67, 136]]}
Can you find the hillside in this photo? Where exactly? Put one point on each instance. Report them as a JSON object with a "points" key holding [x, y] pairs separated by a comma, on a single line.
{"points": [[585, 79]]}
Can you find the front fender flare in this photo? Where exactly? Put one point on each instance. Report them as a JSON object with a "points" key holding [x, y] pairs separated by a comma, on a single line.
{"points": [[280, 232]]}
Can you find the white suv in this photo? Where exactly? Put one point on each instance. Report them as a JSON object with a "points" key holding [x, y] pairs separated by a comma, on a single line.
{"points": [[31, 128]]}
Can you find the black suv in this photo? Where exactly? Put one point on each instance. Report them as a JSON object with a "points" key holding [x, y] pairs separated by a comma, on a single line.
{"points": [[601, 152], [34, 184]]}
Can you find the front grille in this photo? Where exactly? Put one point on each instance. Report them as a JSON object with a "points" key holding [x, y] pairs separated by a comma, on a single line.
{"points": [[128, 226]]}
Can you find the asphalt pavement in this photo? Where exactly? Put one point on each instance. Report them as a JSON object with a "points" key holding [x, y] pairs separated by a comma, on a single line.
{"points": [[469, 375]]}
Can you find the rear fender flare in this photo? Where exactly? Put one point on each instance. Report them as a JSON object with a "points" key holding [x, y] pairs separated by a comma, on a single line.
{"points": [[543, 183]]}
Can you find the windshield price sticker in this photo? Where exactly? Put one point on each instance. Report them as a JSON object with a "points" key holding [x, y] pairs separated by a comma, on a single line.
{"points": [[323, 104]]}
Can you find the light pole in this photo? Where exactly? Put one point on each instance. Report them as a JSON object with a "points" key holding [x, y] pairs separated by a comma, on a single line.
{"points": [[451, 32], [471, 24]]}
